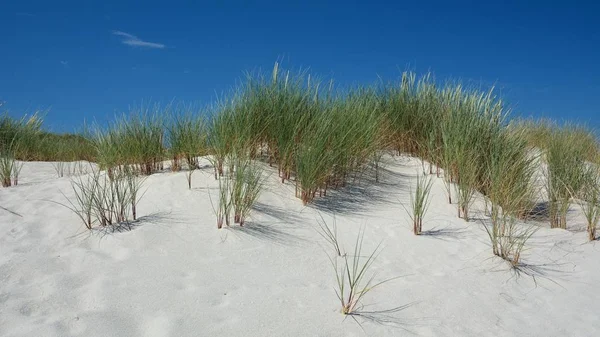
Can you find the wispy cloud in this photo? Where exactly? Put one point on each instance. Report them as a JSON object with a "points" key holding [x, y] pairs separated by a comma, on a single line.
{"points": [[64, 63], [134, 41]]}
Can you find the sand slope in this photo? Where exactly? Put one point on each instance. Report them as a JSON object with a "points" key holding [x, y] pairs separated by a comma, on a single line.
{"points": [[175, 274]]}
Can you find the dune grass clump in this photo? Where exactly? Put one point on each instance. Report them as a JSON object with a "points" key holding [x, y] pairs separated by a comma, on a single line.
{"points": [[313, 161], [84, 190], [567, 157], [106, 201], [136, 141], [450, 127], [187, 141], [589, 199], [280, 108], [230, 135], [315, 137], [510, 189], [10, 167], [509, 239], [143, 136], [419, 201], [411, 110], [245, 189], [471, 118], [340, 142], [17, 138], [7, 162], [239, 189]]}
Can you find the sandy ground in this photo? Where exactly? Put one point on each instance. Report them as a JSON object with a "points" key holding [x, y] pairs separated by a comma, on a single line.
{"points": [[175, 274]]}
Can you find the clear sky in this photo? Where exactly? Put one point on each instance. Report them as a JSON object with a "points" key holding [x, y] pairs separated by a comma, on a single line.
{"points": [[91, 60]]}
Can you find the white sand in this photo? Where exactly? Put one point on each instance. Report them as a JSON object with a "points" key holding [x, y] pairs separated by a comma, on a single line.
{"points": [[175, 274]]}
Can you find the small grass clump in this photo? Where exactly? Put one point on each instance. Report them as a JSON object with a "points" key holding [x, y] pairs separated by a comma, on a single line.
{"points": [[10, 167], [340, 142], [106, 201], [239, 190], [567, 156], [589, 199], [245, 189], [17, 137], [353, 282], [419, 201], [7, 162]]}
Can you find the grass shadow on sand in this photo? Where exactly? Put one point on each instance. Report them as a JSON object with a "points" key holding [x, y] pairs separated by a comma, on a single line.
{"points": [[540, 212], [277, 213], [386, 317], [358, 195], [552, 271], [544, 271], [272, 232], [156, 218], [445, 234]]}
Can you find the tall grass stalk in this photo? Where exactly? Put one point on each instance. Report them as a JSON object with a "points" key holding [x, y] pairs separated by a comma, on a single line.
{"points": [[225, 204], [419, 201]]}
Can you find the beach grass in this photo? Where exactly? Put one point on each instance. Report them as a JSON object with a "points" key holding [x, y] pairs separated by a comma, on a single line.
{"points": [[321, 136]]}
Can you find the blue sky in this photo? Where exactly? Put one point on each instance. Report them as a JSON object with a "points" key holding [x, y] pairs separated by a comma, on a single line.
{"points": [[90, 61]]}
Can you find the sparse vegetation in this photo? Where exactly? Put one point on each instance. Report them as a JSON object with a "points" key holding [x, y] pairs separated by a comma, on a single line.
{"points": [[245, 189], [352, 276], [106, 201], [321, 138], [419, 202], [238, 191], [330, 234]]}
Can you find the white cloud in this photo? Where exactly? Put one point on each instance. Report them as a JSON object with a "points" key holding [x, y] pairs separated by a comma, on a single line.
{"points": [[65, 63], [134, 41]]}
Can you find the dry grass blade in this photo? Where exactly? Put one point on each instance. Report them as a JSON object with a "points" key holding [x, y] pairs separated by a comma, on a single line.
{"points": [[353, 282], [330, 234]]}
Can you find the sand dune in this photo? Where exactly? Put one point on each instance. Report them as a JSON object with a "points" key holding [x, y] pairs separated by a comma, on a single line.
{"points": [[175, 274]]}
